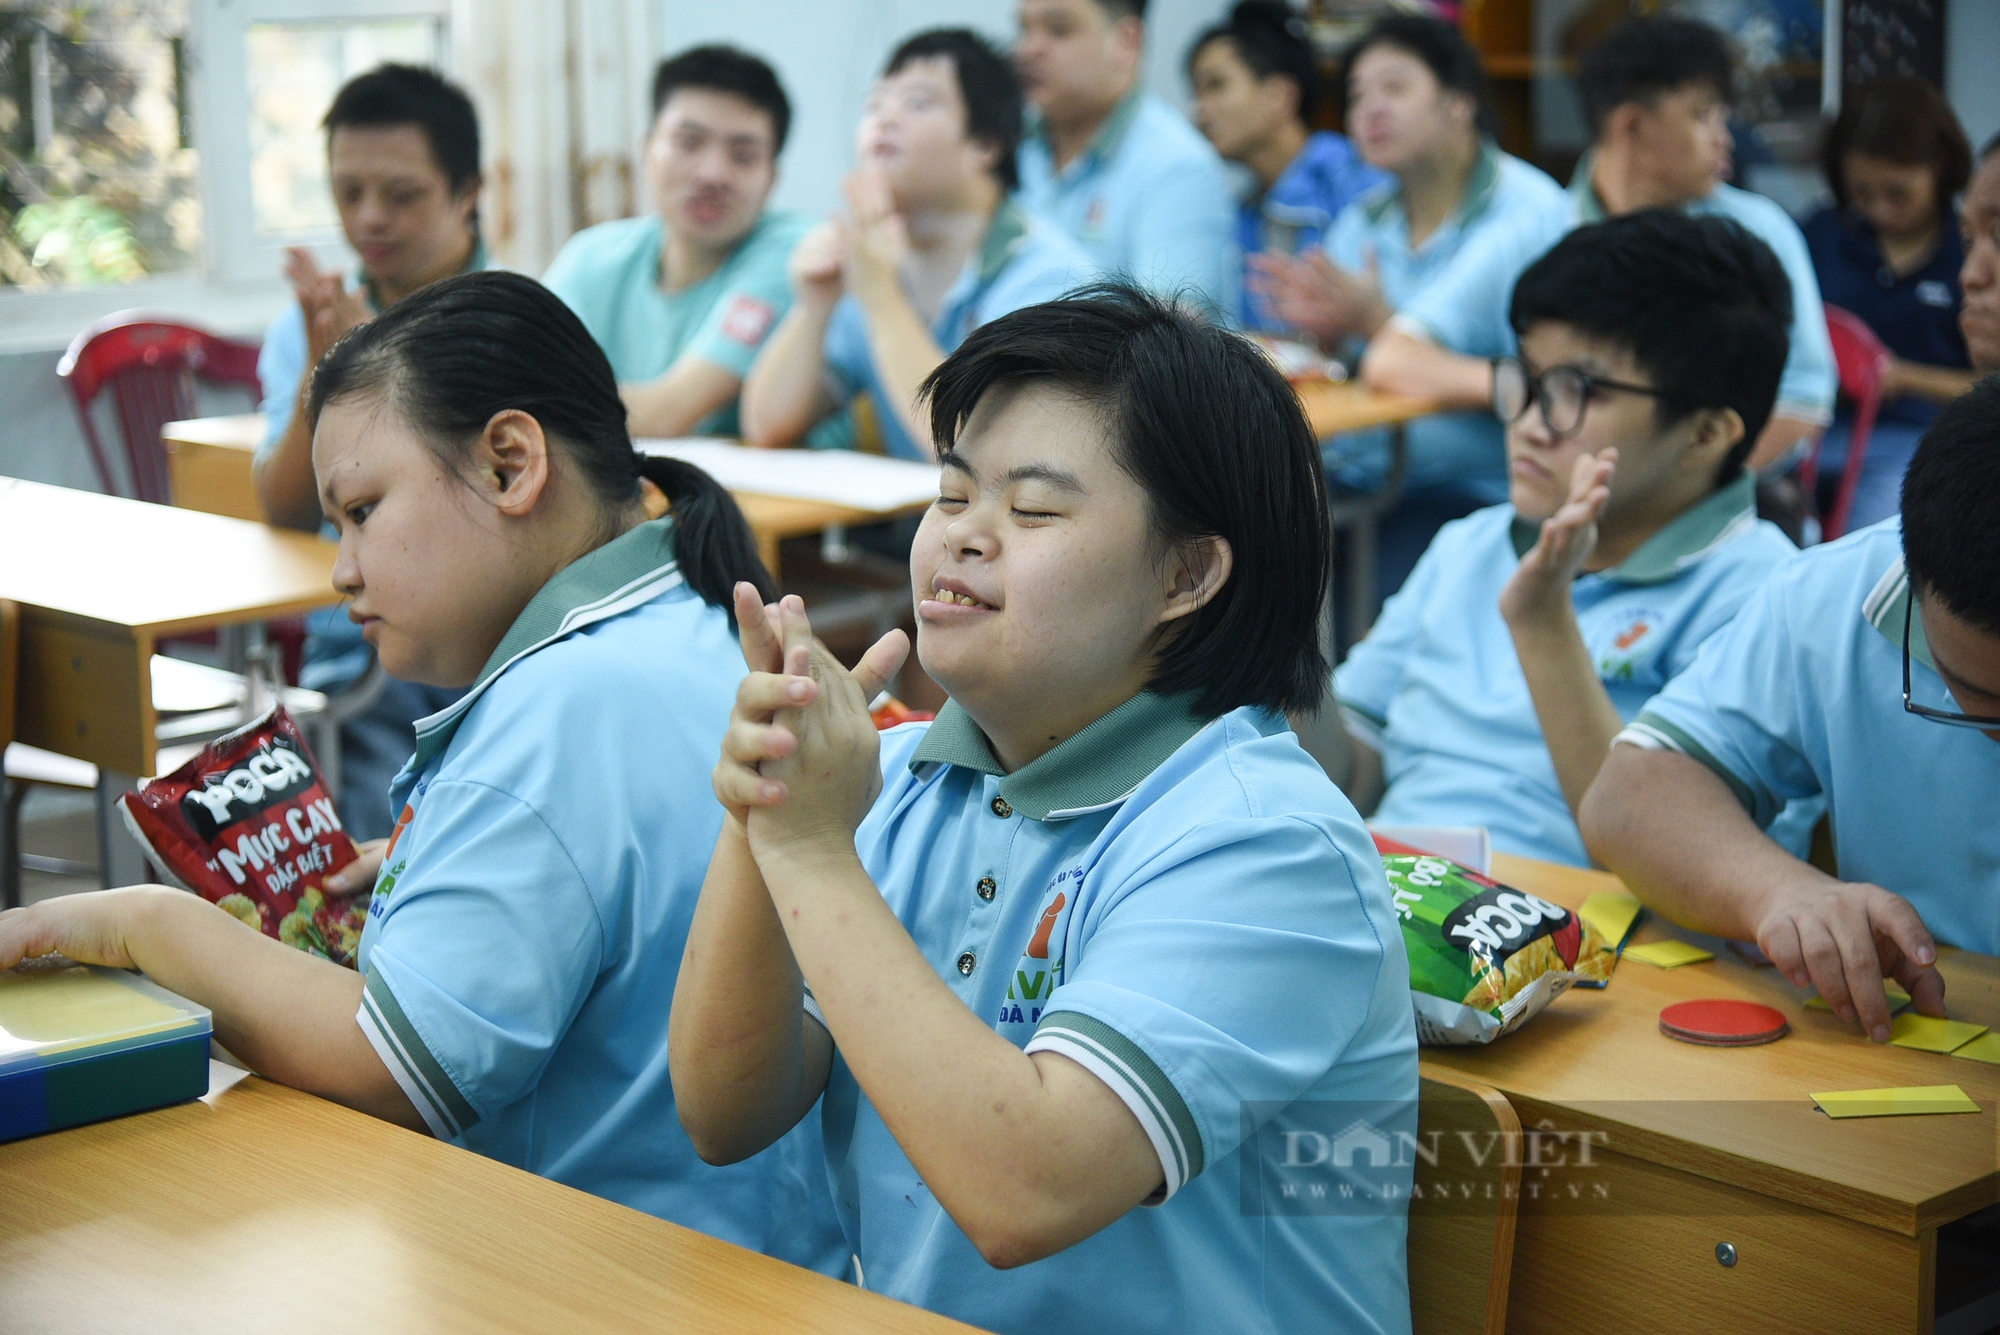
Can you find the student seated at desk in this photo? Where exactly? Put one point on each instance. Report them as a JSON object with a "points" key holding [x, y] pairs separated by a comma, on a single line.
{"points": [[1256, 89], [933, 245], [1047, 955], [1888, 251], [1868, 671], [1118, 168], [1416, 99], [1489, 691], [526, 929], [682, 298], [1657, 92], [402, 149]]}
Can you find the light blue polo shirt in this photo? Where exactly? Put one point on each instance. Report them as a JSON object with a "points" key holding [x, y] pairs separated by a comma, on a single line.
{"points": [[1148, 200], [335, 652], [1023, 261], [525, 936], [1466, 451], [1466, 308], [610, 276], [1437, 686], [1196, 916], [1803, 695]]}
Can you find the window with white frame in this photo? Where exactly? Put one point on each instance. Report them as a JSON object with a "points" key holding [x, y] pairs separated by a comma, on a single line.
{"points": [[145, 139]]}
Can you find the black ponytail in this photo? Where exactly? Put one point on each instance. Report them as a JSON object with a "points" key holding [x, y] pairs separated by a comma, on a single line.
{"points": [[453, 355]]}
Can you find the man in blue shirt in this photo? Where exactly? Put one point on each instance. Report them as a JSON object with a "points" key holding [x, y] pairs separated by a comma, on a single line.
{"points": [[403, 161], [932, 246], [1490, 690], [1867, 671], [1119, 169], [682, 298], [1657, 92]]}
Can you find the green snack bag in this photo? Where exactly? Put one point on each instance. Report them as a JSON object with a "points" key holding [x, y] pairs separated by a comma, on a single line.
{"points": [[1484, 957]]}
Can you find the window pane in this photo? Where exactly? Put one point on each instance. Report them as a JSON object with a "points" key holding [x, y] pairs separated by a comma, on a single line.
{"points": [[295, 69], [97, 178]]}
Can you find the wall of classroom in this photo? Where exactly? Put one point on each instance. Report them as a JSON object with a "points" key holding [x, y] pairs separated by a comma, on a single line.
{"points": [[827, 53]]}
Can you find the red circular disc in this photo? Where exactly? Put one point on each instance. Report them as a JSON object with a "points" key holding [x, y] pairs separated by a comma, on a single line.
{"points": [[1723, 1023]]}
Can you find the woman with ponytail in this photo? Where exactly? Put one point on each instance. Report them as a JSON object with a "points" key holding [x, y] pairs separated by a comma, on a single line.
{"points": [[499, 534]]}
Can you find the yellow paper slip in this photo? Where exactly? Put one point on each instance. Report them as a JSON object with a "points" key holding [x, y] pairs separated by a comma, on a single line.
{"points": [[1668, 954], [1895, 1102], [1898, 999], [1610, 915], [1985, 1048], [1927, 1033]]}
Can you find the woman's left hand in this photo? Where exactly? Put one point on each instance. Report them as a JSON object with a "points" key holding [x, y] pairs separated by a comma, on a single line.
{"points": [[831, 772], [89, 928]]}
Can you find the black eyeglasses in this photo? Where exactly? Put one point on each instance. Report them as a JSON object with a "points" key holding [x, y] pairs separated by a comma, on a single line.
{"points": [[1563, 392], [1949, 717]]}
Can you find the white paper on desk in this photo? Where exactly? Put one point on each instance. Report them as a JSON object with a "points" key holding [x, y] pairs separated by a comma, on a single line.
{"points": [[838, 477], [1467, 845]]}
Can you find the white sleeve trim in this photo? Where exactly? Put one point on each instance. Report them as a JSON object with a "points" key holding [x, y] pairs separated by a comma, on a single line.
{"points": [[398, 1065], [1126, 1085]]}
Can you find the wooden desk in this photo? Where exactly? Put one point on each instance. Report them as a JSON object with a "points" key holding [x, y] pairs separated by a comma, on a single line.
{"points": [[1336, 406], [100, 581], [208, 463], [273, 1210], [1834, 1223]]}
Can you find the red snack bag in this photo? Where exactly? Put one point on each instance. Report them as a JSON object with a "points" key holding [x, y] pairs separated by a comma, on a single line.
{"points": [[888, 712], [248, 826]]}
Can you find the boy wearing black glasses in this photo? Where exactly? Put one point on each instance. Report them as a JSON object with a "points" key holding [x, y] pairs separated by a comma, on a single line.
{"points": [[1530, 633], [1867, 671]]}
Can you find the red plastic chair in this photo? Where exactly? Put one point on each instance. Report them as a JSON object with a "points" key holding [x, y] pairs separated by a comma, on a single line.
{"points": [[1863, 363], [150, 363]]}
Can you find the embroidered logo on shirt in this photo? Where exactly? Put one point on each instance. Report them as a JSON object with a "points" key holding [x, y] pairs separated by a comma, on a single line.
{"points": [[1037, 977], [1093, 218], [1619, 659], [747, 320]]}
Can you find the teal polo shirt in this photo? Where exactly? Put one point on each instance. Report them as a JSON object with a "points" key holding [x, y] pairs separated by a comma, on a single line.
{"points": [[1189, 910], [1466, 451], [1466, 308], [1021, 262], [1148, 200], [610, 276], [524, 938], [1437, 687], [1802, 695]]}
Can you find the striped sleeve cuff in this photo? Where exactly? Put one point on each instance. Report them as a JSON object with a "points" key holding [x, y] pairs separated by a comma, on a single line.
{"points": [[417, 1073], [1650, 732], [1137, 1080], [1405, 323]]}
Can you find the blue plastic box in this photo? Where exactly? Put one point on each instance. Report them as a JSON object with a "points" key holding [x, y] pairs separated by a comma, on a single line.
{"points": [[80, 1043]]}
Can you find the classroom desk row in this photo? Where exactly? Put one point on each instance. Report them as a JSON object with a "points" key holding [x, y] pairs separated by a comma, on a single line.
{"points": [[224, 1217]]}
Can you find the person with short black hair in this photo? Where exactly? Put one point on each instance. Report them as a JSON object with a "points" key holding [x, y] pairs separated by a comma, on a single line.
{"points": [[1417, 106], [1490, 690], [1656, 92], [1889, 252], [402, 147], [1102, 929], [1979, 280], [1256, 85], [683, 297], [1867, 672], [1118, 168], [932, 244]]}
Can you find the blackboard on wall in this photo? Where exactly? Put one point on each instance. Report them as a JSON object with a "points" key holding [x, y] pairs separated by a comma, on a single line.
{"points": [[1884, 37]]}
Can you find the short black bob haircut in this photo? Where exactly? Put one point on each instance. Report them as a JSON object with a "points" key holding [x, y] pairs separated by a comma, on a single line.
{"points": [[987, 84], [410, 95], [1270, 38], [724, 69], [1951, 496], [449, 357], [1206, 426], [1701, 305], [1451, 59], [1644, 59], [1903, 120]]}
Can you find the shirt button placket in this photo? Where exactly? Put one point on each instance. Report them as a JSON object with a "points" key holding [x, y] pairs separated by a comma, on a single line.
{"points": [[1001, 809], [986, 888], [967, 962]]}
